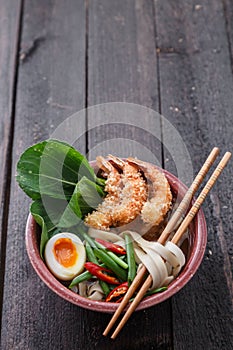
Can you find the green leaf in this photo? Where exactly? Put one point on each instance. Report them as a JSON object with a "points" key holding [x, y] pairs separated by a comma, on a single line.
{"points": [[57, 215], [62, 184], [47, 214], [50, 209], [35, 209], [44, 234], [86, 197], [52, 168]]}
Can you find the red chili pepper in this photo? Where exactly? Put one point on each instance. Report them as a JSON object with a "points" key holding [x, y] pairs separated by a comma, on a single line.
{"points": [[117, 294], [115, 248], [98, 271]]}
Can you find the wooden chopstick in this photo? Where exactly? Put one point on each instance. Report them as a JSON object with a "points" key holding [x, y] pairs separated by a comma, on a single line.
{"points": [[189, 217], [200, 199], [183, 206], [168, 229]]}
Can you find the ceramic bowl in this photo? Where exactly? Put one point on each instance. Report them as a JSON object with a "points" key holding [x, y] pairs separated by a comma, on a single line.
{"points": [[196, 248]]}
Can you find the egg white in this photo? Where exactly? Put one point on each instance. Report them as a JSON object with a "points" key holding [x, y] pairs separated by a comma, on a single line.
{"points": [[58, 270]]}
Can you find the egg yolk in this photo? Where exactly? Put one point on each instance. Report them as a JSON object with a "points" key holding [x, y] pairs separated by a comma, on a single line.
{"points": [[65, 252]]}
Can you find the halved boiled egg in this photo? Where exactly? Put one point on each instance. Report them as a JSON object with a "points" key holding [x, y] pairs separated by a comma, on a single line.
{"points": [[65, 255]]}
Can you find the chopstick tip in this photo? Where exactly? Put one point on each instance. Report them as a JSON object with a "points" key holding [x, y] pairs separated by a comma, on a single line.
{"points": [[216, 149], [226, 158], [113, 336]]}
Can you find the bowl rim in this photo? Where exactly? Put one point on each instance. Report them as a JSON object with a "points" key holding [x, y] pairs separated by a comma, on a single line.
{"points": [[186, 274]]}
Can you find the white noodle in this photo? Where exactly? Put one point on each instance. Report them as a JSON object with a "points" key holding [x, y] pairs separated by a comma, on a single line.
{"points": [[162, 262], [174, 249], [95, 292], [82, 289], [106, 235], [168, 280], [96, 296], [150, 265], [157, 247]]}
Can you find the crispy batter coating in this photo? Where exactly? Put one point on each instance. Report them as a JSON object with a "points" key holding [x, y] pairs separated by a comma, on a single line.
{"points": [[159, 199], [132, 200], [126, 194]]}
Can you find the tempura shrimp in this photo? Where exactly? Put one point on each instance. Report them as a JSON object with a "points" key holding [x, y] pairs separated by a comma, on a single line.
{"points": [[159, 199], [102, 218], [126, 193]]}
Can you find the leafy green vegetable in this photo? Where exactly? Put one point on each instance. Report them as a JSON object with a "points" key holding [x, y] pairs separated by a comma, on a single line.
{"points": [[46, 218], [50, 209], [35, 209], [62, 184], [44, 234], [52, 168], [55, 215], [87, 195]]}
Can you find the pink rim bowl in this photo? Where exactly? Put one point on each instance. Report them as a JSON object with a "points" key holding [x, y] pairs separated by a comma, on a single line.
{"points": [[197, 245]]}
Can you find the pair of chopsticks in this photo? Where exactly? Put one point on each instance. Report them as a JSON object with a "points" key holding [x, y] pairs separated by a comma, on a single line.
{"points": [[171, 226]]}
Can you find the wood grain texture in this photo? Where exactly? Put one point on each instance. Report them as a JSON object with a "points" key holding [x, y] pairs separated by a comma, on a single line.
{"points": [[228, 14], [51, 86], [173, 55], [122, 67], [10, 15], [196, 96]]}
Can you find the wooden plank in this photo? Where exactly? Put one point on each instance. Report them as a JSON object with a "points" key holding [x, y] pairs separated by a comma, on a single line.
{"points": [[9, 27], [196, 96], [122, 67], [228, 14], [51, 86], [121, 45]]}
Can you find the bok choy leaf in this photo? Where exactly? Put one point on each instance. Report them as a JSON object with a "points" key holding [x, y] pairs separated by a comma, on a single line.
{"points": [[62, 184]]}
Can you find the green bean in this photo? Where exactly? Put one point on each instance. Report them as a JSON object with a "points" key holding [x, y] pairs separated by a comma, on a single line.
{"points": [[150, 292], [105, 287], [130, 258], [122, 257], [88, 239], [91, 257], [114, 257], [86, 275], [80, 278], [111, 264], [154, 291], [90, 254], [95, 244]]}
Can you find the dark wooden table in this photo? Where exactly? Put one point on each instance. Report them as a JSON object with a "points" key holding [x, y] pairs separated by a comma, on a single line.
{"points": [[58, 57]]}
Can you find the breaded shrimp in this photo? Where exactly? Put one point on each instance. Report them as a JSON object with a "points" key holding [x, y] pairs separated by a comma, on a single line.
{"points": [[126, 194], [132, 195], [159, 199], [102, 218]]}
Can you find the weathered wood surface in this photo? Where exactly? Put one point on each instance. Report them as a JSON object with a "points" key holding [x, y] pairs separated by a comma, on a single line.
{"points": [[127, 72], [51, 86], [196, 96], [9, 28], [122, 66], [175, 57]]}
